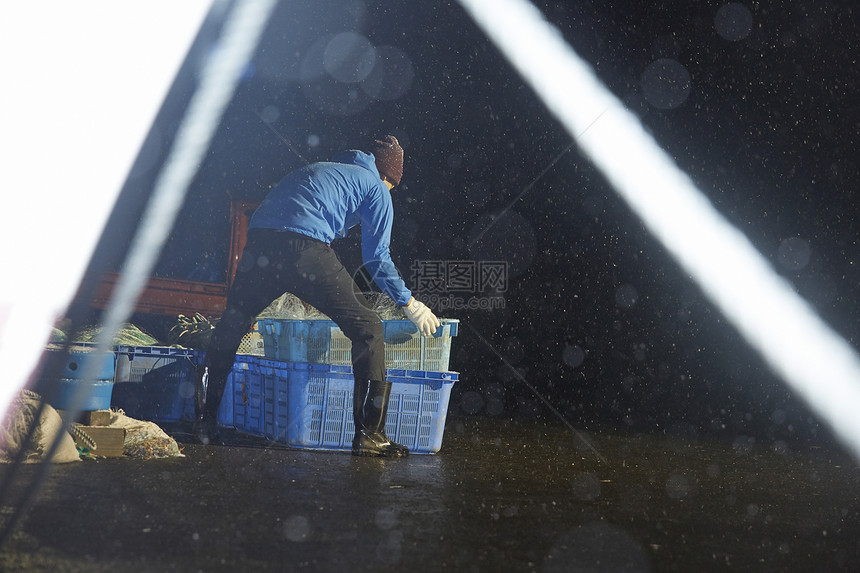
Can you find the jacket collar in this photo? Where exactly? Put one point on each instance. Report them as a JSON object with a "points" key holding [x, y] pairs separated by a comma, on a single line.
{"points": [[356, 157]]}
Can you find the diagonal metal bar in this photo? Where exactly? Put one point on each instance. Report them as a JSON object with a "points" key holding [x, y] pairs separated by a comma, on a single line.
{"points": [[282, 138], [582, 437], [219, 79], [817, 363], [528, 187]]}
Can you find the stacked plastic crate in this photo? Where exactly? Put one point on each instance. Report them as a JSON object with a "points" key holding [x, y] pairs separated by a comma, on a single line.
{"points": [[157, 383], [307, 385], [300, 392]]}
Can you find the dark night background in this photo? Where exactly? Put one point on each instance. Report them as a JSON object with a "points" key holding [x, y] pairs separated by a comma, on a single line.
{"points": [[597, 319]]}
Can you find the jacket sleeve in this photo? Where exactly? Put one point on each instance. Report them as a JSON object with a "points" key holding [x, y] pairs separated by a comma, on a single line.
{"points": [[377, 217]]}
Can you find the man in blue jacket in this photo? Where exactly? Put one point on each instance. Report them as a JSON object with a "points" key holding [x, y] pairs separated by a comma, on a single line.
{"points": [[288, 250]]}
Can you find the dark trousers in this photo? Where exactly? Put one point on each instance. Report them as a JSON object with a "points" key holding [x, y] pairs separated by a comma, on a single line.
{"points": [[272, 264]]}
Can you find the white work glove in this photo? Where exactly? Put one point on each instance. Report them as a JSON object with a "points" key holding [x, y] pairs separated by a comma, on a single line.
{"points": [[422, 317]]}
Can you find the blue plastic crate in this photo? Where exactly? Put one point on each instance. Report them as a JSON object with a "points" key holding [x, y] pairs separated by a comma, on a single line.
{"points": [[285, 340], [320, 413], [156, 384], [322, 342], [257, 415], [276, 392], [165, 394], [247, 416], [327, 344], [405, 349]]}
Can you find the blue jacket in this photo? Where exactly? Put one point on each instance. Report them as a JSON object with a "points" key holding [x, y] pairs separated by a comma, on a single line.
{"points": [[324, 200]]}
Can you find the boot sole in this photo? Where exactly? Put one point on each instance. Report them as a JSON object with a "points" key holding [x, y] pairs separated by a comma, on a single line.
{"points": [[378, 454]]}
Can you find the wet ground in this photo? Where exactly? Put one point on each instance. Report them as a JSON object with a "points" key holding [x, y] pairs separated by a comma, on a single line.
{"points": [[499, 496]]}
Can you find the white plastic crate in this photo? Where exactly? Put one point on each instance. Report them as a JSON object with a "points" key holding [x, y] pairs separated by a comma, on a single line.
{"points": [[322, 342]]}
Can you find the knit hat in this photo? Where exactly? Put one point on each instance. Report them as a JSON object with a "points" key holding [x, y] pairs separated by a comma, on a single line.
{"points": [[389, 158]]}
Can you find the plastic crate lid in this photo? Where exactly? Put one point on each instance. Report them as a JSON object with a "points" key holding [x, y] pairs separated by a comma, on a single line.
{"points": [[422, 375], [164, 351], [333, 368], [275, 324]]}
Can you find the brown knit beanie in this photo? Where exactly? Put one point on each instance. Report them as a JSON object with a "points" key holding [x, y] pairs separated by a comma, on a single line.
{"points": [[389, 158]]}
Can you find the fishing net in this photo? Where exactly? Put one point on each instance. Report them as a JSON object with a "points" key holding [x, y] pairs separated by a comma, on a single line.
{"points": [[144, 440], [128, 335], [16, 425], [290, 306], [382, 305]]}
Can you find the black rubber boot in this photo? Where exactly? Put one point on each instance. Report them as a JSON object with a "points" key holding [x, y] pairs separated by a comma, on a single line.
{"points": [[370, 408], [201, 381], [205, 429]]}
